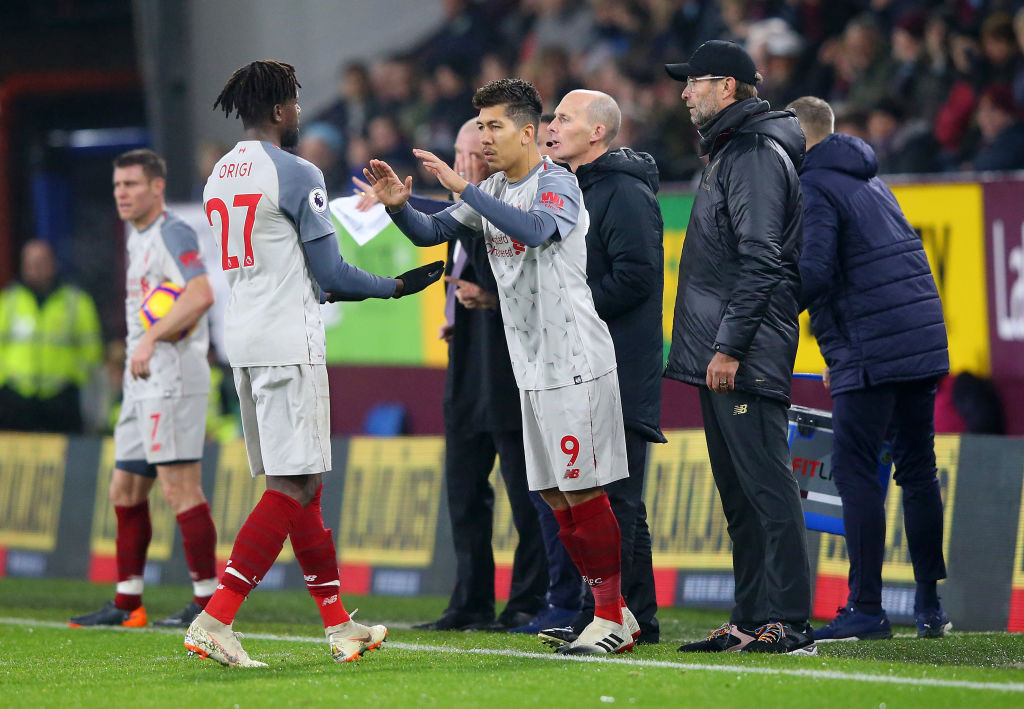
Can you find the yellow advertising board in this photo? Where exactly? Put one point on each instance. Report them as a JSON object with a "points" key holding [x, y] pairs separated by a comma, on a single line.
{"points": [[684, 511], [390, 505], [104, 519], [31, 488]]}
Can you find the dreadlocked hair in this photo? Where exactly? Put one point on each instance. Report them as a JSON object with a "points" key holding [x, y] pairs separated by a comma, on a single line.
{"points": [[254, 90]]}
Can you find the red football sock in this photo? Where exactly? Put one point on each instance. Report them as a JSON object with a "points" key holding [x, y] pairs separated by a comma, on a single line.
{"points": [[315, 552], [600, 544], [133, 534], [257, 546], [567, 535], [200, 539]]}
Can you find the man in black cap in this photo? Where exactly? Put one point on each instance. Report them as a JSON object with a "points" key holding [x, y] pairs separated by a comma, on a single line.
{"points": [[735, 336]]}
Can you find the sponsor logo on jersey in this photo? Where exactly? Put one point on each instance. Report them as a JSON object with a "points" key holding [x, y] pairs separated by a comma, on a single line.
{"points": [[571, 473], [318, 200], [739, 409], [552, 201], [518, 246], [329, 601], [592, 582], [310, 578], [190, 258]]}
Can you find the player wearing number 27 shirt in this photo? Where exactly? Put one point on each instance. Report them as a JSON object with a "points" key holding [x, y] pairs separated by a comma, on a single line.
{"points": [[268, 211], [531, 215]]}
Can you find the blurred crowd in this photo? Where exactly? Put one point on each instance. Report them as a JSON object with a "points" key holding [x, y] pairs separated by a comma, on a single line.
{"points": [[933, 86]]}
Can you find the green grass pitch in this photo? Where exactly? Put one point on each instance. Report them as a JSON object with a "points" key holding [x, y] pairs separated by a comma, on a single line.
{"points": [[43, 663]]}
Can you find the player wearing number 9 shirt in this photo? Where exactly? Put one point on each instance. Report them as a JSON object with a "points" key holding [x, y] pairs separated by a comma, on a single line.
{"points": [[279, 252], [531, 215]]}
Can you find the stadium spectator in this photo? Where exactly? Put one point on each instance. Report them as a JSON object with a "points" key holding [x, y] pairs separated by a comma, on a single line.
{"points": [[566, 374], [279, 249], [735, 335], [323, 145], [625, 272], [967, 403], [901, 143], [1001, 142], [922, 71], [355, 104], [50, 346], [853, 123], [162, 424], [863, 66], [876, 314]]}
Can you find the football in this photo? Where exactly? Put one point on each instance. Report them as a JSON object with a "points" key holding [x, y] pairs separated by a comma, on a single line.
{"points": [[158, 302]]}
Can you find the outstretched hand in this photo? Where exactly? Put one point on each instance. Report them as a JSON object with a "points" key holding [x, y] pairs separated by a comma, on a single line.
{"points": [[367, 199], [440, 169], [387, 186]]}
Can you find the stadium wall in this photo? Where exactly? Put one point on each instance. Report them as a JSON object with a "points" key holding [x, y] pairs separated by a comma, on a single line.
{"points": [[386, 503]]}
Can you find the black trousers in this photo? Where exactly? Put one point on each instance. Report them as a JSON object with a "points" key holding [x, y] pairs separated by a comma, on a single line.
{"points": [[750, 460], [860, 421], [626, 497], [469, 459]]}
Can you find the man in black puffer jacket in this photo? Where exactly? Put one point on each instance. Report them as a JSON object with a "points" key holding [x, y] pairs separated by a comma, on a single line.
{"points": [[625, 272], [877, 316], [735, 335]]}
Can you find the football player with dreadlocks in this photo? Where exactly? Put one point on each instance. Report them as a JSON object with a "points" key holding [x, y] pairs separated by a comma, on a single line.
{"points": [[268, 210]]}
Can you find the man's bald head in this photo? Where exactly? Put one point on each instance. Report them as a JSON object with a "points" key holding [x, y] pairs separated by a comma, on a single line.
{"points": [[601, 110], [586, 123]]}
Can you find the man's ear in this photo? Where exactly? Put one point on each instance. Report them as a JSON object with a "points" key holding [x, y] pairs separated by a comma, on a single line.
{"points": [[159, 185], [597, 134], [277, 114], [526, 134]]}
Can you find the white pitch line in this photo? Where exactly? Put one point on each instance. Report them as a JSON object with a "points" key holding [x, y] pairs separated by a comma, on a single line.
{"points": [[1015, 687]]}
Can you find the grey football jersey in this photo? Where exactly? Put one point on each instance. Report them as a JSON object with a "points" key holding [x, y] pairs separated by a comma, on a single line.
{"points": [[166, 250], [555, 336], [262, 203]]}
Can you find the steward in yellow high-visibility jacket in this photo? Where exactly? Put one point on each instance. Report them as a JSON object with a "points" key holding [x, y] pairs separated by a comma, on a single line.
{"points": [[50, 344]]}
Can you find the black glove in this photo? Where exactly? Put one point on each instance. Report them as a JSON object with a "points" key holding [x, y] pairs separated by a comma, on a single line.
{"points": [[419, 278]]}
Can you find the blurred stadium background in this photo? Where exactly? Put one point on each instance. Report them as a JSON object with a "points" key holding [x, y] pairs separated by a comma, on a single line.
{"points": [[937, 87]]}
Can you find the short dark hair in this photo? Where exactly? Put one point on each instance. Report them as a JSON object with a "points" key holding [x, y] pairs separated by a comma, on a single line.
{"points": [[254, 90], [745, 91], [152, 164], [519, 97]]}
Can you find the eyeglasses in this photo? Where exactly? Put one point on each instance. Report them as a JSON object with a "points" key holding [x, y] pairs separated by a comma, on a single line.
{"points": [[691, 80]]}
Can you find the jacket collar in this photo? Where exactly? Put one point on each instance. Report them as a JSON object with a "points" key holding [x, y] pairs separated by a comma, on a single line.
{"points": [[717, 131]]}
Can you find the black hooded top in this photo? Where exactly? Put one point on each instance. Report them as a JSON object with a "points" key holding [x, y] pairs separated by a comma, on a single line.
{"points": [[625, 272], [738, 274]]}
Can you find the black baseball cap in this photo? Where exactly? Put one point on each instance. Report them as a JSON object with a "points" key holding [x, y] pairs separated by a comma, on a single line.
{"points": [[718, 58]]}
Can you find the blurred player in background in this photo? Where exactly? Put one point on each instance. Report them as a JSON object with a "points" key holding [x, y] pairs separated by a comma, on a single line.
{"points": [[162, 426], [279, 252], [531, 216]]}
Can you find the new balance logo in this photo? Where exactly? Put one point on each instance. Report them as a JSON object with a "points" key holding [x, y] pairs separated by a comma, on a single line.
{"points": [[518, 246], [310, 578], [552, 201], [571, 474], [329, 601], [592, 582], [739, 409]]}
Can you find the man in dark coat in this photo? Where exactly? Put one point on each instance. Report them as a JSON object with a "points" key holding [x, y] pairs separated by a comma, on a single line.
{"points": [[735, 334], [876, 313], [625, 272]]}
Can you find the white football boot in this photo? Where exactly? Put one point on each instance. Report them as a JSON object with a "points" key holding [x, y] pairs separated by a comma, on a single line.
{"points": [[350, 640], [210, 639], [602, 637]]}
